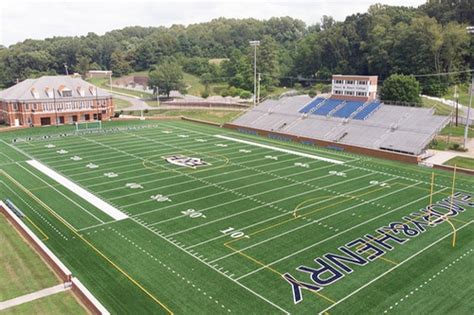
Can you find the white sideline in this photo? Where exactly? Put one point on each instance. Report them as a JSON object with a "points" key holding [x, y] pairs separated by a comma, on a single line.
{"points": [[81, 192], [314, 157]]}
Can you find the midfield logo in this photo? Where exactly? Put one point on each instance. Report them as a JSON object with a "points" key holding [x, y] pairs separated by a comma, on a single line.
{"points": [[186, 161]]}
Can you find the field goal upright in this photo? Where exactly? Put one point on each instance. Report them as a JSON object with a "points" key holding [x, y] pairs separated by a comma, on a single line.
{"points": [[88, 125]]}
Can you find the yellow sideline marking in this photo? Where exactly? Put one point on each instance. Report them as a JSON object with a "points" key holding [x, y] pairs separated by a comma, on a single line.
{"points": [[388, 260], [350, 197], [275, 271], [307, 200], [40, 230], [74, 231]]}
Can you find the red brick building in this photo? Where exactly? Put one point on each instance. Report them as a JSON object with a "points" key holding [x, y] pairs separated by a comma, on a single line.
{"points": [[52, 100]]}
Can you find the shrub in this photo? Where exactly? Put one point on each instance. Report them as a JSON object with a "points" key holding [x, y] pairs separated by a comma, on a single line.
{"points": [[245, 95], [312, 93], [205, 94]]}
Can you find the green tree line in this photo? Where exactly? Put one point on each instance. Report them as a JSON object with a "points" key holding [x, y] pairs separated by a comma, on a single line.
{"points": [[384, 40]]}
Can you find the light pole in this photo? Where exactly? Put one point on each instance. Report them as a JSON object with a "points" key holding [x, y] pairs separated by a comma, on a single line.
{"points": [[65, 67], [470, 30], [254, 43]]}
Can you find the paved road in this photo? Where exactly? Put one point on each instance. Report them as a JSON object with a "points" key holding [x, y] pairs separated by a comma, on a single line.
{"points": [[137, 104]]}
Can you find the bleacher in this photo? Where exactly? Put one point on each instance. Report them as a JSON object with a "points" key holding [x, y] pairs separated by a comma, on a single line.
{"points": [[311, 105], [371, 124], [348, 109], [367, 110], [327, 107]]}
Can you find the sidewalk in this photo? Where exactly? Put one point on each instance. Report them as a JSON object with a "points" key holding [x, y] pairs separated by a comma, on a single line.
{"points": [[33, 296]]}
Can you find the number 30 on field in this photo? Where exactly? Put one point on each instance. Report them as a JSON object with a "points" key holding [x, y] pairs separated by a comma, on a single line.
{"points": [[233, 233]]}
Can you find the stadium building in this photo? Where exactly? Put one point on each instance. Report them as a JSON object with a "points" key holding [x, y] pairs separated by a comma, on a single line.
{"points": [[351, 118], [52, 100]]}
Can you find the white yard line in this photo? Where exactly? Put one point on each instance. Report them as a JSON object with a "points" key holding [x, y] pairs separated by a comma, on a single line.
{"points": [[336, 235], [221, 171], [243, 197], [256, 144], [213, 268], [273, 202], [79, 191], [311, 223], [197, 188], [392, 269], [286, 211]]}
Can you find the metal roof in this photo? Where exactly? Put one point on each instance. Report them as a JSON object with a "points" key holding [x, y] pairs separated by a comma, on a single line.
{"points": [[42, 89]]}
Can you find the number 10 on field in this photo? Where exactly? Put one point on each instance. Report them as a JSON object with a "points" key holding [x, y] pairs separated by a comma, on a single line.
{"points": [[233, 233]]}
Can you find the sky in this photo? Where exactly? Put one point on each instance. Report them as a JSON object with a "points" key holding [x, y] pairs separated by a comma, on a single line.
{"points": [[39, 19]]}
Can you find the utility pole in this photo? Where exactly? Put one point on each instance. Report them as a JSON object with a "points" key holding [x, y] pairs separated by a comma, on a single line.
{"points": [[456, 97], [466, 130], [65, 67], [55, 108], [254, 44], [157, 96], [110, 80], [258, 87], [470, 30]]}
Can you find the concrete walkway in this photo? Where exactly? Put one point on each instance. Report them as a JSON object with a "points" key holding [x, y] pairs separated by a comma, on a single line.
{"points": [[33, 296], [439, 157]]}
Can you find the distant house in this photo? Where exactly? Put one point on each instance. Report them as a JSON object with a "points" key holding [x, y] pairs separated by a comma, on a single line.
{"points": [[98, 74], [52, 100]]}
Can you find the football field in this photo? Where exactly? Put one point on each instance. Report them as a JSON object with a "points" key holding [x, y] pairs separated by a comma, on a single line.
{"points": [[178, 217]]}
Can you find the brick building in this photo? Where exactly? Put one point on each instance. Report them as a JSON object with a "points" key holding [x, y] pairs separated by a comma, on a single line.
{"points": [[51, 100]]}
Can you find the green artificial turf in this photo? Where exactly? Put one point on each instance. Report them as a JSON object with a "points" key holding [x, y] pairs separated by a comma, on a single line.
{"points": [[218, 238]]}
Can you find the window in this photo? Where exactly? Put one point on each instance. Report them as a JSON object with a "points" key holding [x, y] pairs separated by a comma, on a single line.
{"points": [[15, 106], [349, 92], [350, 82], [338, 81], [27, 107], [66, 93], [361, 94], [35, 93], [362, 82], [49, 92], [338, 92]]}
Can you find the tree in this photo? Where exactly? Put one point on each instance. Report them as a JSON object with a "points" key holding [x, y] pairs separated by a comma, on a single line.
{"points": [[118, 64], [167, 77], [83, 64], [401, 88]]}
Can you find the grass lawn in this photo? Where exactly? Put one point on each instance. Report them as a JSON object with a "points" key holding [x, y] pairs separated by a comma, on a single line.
{"points": [[62, 303], [457, 131], [21, 270], [461, 161], [121, 104], [440, 108], [463, 91], [104, 84], [220, 237]]}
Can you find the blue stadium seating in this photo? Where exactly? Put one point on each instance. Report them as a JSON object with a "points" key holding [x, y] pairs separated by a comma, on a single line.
{"points": [[315, 102], [348, 108], [365, 112], [327, 107]]}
